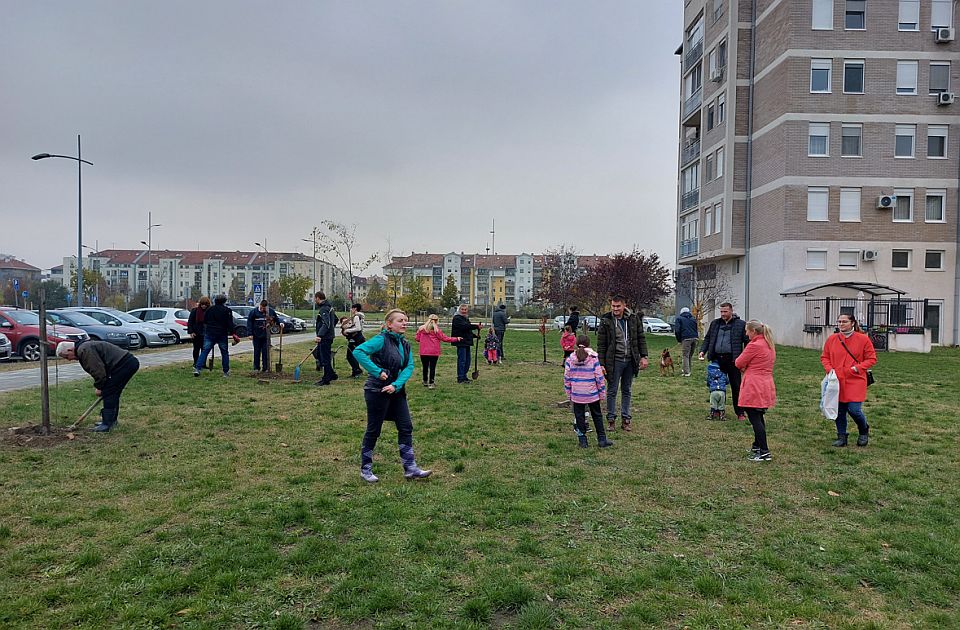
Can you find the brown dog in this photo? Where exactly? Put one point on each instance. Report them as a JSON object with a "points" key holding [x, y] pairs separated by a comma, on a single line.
{"points": [[666, 362]]}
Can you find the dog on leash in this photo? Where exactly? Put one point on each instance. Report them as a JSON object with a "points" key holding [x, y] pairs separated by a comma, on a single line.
{"points": [[666, 363]]}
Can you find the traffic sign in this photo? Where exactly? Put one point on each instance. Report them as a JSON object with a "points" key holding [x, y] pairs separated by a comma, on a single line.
{"points": [[258, 288], [16, 284], [25, 294]]}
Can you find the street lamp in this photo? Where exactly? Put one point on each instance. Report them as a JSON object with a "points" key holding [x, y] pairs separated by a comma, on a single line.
{"points": [[264, 274], [80, 162], [313, 240], [149, 244]]}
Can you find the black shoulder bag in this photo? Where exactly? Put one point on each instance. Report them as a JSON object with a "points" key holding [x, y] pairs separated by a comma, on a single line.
{"points": [[870, 380]]}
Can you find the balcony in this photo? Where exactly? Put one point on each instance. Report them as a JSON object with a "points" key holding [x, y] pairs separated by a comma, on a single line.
{"points": [[689, 247], [689, 200], [692, 104], [693, 54], [690, 152]]}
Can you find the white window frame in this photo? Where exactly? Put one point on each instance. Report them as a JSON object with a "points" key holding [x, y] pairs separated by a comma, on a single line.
{"points": [[855, 255], [711, 116], [908, 252], [863, 74], [821, 18], [822, 64], [937, 131], [943, 255], [946, 88], [708, 172], [818, 130], [850, 205], [945, 8], [707, 221], [721, 107], [905, 131], [903, 193], [908, 72], [818, 192], [717, 217], [719, 162], [859, 128], [942, 194], [813, 265], [908, 15]]}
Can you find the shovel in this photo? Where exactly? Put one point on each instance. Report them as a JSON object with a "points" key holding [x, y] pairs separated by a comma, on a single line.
{"points": [[296, 370], [279, 366], [86, 413], [476, 352]]}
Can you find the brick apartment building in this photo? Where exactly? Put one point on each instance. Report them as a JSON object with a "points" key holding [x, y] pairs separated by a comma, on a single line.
{"points": [[819, 163]]}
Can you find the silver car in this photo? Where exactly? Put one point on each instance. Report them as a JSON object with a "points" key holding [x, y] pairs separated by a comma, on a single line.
{"points": [[173, 318], [151, 335], [6, 348]]}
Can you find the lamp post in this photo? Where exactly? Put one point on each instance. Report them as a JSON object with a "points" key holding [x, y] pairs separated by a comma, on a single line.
{"points": [[149, 244], [80, 162], [313, 240], [265, 274]]}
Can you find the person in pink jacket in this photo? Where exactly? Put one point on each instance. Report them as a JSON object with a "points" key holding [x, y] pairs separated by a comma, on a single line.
{"points": [[586, 386], [757, 390], [429, 337]]}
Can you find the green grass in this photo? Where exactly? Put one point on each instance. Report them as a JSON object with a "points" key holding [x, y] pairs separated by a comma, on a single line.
{"points": [[223, 502]]}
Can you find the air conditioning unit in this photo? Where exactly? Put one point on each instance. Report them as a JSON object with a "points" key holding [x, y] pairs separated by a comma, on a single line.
{"points": [[870, 255], [886, 202], [944, 35], [945, 98], [716, 75]]}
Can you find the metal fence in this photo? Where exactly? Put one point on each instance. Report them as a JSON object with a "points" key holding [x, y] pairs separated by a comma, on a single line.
{"points": [[878, 317]]}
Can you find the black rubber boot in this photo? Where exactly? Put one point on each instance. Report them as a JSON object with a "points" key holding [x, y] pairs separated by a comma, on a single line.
{"points": [[841, 440], [582, 439], [863, 439]]}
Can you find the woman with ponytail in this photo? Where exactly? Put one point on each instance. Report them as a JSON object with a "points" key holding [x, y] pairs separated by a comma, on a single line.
{"points": [[757, 391], [586, 386]]}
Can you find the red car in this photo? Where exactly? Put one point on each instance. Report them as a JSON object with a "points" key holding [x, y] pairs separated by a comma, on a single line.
{"points": [[22, 327]]}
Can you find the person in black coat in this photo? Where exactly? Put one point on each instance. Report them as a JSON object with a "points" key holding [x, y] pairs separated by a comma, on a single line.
{"points": [[723, 343], [500, 322], [574, 320], [195, 325], [686, 331], [326, 327], [217, 326], [259, 321], [461, 327]]}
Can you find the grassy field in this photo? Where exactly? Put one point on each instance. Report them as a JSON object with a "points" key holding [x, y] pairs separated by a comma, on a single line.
{"points": [[229, 503]]}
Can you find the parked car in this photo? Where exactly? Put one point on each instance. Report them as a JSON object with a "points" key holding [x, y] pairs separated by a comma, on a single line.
{"points": [[122, 336], [151, 335], [286, 320], [590, 320], [22, 327], [296, 324], [6, 348], [173, 318], [656, 325]]}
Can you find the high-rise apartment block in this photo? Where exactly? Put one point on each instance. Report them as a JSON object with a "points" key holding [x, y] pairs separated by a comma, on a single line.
{"points": [[819, 165]]}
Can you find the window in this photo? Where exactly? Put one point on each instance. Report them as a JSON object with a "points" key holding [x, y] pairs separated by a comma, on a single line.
{"points": [[693, 81], [850, 205], [817, 204], [690, 178], [855, 18], [721, 108], [819, 140], [688, 227], [909, 19], [904, 142], [711, 121], [712, 62], [936, 202], [708, 168], [816, 259], [695, 33], [941, 14], [853, 76], [903, 210], [900, 259], [820, 71], [937, 141], [719, 162], [933, 260], [939, 77], [722, 55], [822, 15], [850, 141], [717, 9], [707, 222], [717, 217], [907, 77], [849, 259]]}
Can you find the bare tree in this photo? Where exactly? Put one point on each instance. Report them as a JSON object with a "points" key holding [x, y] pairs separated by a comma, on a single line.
{"points": [[707, 286], [339, 242], [560, 274]]}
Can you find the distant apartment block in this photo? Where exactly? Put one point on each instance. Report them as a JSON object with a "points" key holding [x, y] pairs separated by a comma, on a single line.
{"points": [[819, 164]]}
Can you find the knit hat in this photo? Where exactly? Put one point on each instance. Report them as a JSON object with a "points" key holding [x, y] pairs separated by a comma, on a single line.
{"points": [[684, 310]]}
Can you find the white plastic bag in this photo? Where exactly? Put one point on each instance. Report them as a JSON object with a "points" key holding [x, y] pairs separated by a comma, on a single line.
{"points": [[830, 395]]}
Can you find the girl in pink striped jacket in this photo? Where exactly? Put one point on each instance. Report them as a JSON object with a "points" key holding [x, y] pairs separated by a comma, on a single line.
{"points": [[586, 386]]}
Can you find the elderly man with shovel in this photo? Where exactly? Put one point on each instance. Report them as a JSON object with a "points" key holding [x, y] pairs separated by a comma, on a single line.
{"points": [[111, 368]]}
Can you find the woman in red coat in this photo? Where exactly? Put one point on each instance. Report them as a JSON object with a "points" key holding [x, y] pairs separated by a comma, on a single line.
{"points": [[850, 353], [757, 391]]}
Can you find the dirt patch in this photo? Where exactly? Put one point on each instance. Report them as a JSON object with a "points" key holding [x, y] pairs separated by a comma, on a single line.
{"points": [[33, 436]]}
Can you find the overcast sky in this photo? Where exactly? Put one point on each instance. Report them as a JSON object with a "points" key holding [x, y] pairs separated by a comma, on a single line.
{"points": [[234, 122]]}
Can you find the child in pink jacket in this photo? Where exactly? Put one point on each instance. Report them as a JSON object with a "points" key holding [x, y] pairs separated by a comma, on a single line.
{"points": [[568, 342], [429, 337], [586, 385]]}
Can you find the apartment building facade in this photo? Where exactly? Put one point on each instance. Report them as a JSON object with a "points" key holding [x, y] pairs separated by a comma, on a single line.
{"points": [[819, 161]]}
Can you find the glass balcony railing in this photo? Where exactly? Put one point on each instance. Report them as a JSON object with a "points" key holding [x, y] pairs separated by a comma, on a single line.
{"points": [[689, 247], [692, 104], [690, 153], [690, 199], [692, 54]]}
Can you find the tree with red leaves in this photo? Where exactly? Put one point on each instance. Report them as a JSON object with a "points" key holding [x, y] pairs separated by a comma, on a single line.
{"points": [[640, 278]]}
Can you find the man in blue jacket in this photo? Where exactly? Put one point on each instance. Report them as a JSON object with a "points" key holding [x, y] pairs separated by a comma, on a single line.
{"points": [[685, 330], [326, 326], [259, 322]]}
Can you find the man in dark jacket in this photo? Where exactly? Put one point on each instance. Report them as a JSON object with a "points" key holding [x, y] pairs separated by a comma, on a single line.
{"points": [[686, 332], [217, 326], [723, 343], [500, 321], [462, 328], [259, 321], [574, 320], [622, 350], [326, 326], [111, 368]]}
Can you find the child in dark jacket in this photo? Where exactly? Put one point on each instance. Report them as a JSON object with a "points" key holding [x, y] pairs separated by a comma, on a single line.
{"points": [[717, 384], [491, 348]]}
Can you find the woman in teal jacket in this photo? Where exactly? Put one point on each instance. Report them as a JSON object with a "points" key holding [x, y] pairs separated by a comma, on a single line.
{"points": [[389, 362]]}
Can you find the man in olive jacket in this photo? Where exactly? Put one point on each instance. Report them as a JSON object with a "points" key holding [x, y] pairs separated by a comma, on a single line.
{"points": [[110, 366], [622, 350]]}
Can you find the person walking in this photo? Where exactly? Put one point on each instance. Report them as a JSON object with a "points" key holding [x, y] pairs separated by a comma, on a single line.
{"points": [[723, 343], [353, 333], [851, 354], [687, 334], [622, 350], [466, 332], [110, 366], [217, 326], [586, 386], [326, 326], [757, 391], [429, 336], [259, 321], [388, 360], [195, 325], [500, 321]]}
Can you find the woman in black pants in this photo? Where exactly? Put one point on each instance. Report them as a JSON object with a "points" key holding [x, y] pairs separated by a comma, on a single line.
{"points": [[195, 326]]}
